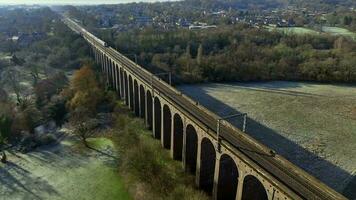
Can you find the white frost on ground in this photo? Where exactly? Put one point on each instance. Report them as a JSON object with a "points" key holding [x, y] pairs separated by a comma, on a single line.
{"points": [[60, 171], [312, 125]]}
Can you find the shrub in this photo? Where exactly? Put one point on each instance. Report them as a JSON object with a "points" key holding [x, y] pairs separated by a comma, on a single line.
{"points": [[146, 166], [27, 116], [56, 109]]}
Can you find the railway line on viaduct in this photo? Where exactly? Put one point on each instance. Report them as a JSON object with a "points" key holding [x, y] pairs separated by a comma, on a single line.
{"points": [[228, 165]]}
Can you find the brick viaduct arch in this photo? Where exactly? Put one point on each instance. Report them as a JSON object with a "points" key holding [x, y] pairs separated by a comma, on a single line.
{"points": [[167, 127], [131, 93], [191, 146], [136, 99], [253, 189], [122, 84], [207, 165], [227, 179], [177, 139], [142, 102], [216, 173], [126, 89], [157, 118], [149, 117], [223, 172]]}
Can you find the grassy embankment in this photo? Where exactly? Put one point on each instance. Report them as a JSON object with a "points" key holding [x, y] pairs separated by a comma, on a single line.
{"points": [[147, 170]]}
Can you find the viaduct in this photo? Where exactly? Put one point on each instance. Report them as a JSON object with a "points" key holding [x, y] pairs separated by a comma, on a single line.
{"points": [[228, 165]]}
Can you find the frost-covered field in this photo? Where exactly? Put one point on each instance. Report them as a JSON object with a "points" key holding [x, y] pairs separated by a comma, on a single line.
{"points": [[304, 30], [312, 125], [63, 171], [338, 31], [294, 30]]}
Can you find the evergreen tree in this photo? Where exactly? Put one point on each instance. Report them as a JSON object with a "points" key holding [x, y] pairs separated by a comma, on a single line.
{"points": [[200, 54], [188, 57]]}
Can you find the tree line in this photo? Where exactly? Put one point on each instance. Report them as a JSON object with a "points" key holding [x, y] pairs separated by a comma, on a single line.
{"points": [[241, 53], [42, 66]]}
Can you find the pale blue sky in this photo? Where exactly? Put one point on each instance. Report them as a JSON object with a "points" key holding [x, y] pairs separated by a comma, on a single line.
{"points": [[74, 2]]}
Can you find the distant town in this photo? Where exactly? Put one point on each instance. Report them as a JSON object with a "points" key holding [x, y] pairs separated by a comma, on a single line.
{"points": [[290, 16], [190, 99], [110, 17]]}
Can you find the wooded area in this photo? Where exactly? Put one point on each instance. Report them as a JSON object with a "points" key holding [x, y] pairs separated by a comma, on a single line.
{"points": [[241, 53]]}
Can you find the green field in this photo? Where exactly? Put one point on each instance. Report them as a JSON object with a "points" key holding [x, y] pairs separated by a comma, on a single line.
{"points": [[312, 125]]}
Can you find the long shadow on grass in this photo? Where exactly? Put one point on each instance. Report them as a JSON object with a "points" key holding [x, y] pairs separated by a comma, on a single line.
{"points": [[322, 169], [14, 179], [57, 157], [103, 153]]}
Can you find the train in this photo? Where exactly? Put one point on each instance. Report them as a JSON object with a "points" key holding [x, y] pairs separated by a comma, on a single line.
{"points": [[84, 32]]}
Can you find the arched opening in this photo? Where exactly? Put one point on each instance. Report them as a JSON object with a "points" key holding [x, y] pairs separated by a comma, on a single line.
{"points": [[137, 102], [191, 149], [102, 57], [96, 56], [131, 97], [105, 64], [177, 137], [112, 71], [228, 178], [109, 71], [253, 189], [142, 102], [149, 110], [122, 83], [207, 166], [117, 81], [106, 69], [126, 90], [114, 77], [102, 62], [157, 131], [113, 74], [167, 129]]}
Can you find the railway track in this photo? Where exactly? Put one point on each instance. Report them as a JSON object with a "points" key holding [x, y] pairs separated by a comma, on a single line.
{"points": [[301, 183]]}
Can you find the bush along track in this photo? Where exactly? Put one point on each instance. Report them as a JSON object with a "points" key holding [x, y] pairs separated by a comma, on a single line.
{"points": [[147, 169]]}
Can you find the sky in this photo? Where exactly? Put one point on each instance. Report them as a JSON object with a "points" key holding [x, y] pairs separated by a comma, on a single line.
{"points": [[72, 2]]}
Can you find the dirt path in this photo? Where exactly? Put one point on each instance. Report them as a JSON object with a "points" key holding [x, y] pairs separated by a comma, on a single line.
{"points": [[62, 171]]}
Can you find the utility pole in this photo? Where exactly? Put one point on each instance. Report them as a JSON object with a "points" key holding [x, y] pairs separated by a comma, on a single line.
{"points": [[226, 118], [169, 74], [130, 54], [161, 74]]}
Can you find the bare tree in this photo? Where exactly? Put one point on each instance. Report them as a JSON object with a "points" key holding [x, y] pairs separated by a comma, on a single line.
{"points": [[83, 126], [200, 54], [5, 122], [11, 76], [35, 73]]}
